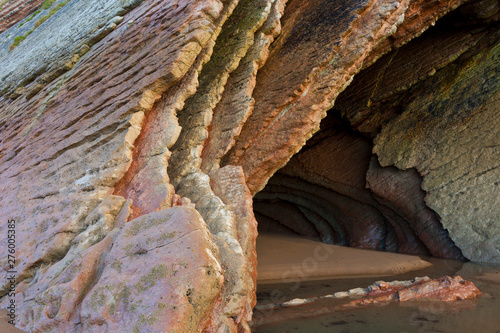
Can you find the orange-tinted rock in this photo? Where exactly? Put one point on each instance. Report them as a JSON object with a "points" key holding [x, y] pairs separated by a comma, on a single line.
{"points": [[307, 68], [419, 16], [236, 103], [445, 289], [100, 144]]}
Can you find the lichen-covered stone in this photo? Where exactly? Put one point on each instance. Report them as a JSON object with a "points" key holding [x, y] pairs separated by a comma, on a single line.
{"points": [[449, 132], [14, 11], [51, 47], [113, 114], [162, 273]]}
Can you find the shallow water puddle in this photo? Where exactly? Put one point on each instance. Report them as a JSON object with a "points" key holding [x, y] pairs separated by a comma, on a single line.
{"points": [[481, 314]]}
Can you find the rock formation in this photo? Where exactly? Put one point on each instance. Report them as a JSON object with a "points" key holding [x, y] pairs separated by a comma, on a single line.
{"points": [[445, 289], [137, 138]]}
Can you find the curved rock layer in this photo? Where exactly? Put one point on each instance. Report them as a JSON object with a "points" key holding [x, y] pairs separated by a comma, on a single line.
{"points": [[333, 190], [432, 106], [135, 133], [326, 194]]}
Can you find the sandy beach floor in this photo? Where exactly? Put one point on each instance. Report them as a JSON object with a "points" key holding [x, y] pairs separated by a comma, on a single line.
{"points": [[283, 258]]}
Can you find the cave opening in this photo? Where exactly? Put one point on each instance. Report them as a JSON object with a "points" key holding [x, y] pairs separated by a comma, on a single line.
{"points": [[335, 191]]}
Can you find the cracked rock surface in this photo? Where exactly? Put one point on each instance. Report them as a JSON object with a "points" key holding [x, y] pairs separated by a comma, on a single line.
{"points": [[141, 141]]}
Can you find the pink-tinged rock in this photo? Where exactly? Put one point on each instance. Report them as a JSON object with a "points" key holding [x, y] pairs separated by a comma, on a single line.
{"points": [[448, 130], [236, 104], [162, 274], [228, 183], [445, 289], [14, 11], [69, 145], [322, 45]]}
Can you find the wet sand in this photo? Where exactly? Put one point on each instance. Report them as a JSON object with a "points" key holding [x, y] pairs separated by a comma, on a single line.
{"points": [[475, 315], [284, 258]]}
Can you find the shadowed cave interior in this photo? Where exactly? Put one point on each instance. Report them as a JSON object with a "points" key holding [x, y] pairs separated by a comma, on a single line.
{"points": [[334, 189]]}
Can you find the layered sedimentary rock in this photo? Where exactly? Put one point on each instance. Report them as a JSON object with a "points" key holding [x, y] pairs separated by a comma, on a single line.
{"points": [[53, 48], [293, 93], [419, 101], [14, 11], [134, 135], [459, 181], [101, 107], [338, 193]]}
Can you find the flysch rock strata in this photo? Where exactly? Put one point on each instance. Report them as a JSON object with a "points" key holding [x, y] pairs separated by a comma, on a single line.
{"points": [[14, 11], [134, 135], [380, 94], [56, 45], [295, 100], [368, 103], [419, 16], [185, 163], [236, 103], [460, 108], [85, 127]]}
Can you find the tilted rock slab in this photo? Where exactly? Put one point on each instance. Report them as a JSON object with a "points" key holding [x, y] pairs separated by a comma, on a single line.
{"points": [[86, 124], [55, 46], [129, 174], [14, 11]]}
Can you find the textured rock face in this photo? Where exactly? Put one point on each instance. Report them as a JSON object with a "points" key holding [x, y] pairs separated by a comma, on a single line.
{"points": [[446, 288], [100, 108], [14, 11], [467, 175], [135, 133], [55, 47], [293, 93], [429, 115], [112, 276]]}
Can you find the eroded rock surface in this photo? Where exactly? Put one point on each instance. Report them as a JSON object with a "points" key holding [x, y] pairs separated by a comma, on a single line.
{"points": [[13, 11], [334, 190], [134, 135], [460, 181], [293, 93], [455, 293], [57, 44]]}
